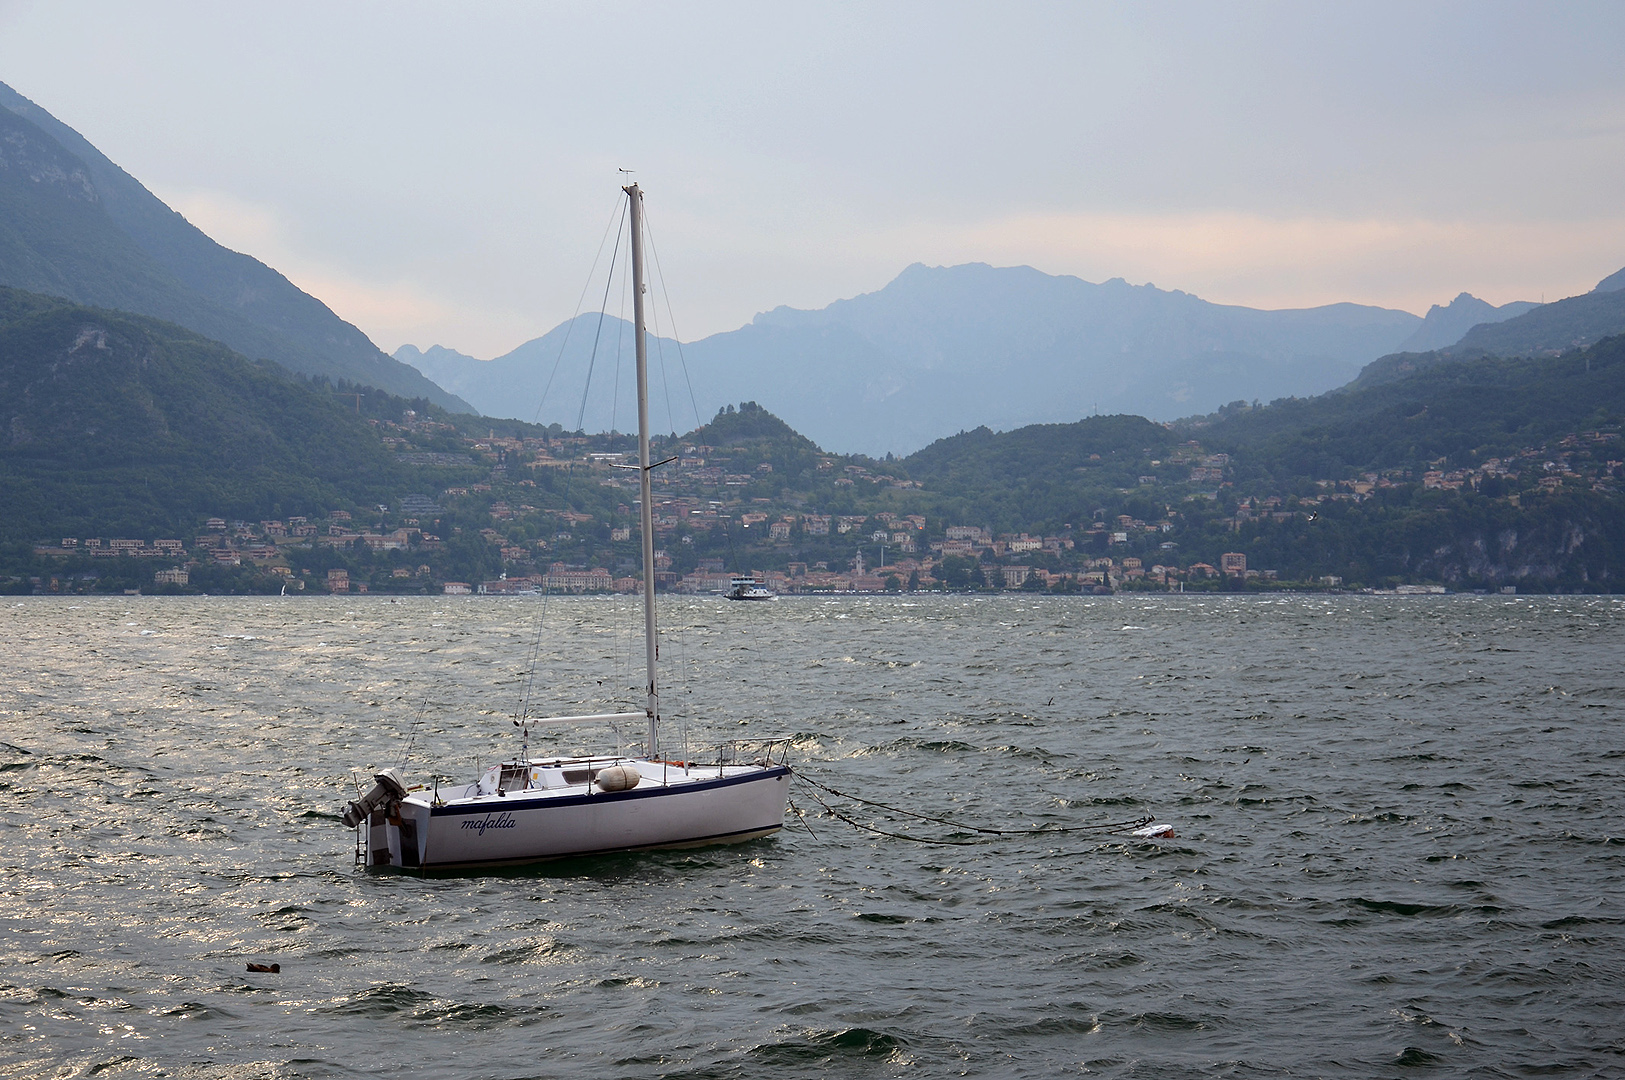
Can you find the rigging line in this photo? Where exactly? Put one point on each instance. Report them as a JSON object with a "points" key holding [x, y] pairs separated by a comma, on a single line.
{"points": [[541, 624], [620, 354], [665, 382], [665, 387], [535, 652], [412, 734], [976, 828], [733, 557], [682, 719], [541, 618], [581, 414], [579, 303], [648, 231]]}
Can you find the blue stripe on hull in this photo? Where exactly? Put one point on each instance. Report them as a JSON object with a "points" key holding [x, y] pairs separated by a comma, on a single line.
{"points": [[698, 841]]}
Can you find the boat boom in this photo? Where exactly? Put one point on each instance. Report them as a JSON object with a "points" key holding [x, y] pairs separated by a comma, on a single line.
{"points": [[586, 718]]}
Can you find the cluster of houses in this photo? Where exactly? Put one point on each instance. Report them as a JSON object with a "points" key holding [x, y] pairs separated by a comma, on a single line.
{"points": [[704, 515], [712, 578], [898, 537], [97, 547], [1580, 460], [907, 559], [240, 543]]}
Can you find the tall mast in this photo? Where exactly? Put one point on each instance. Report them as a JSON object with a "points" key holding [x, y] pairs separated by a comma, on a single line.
{"points": [[646, 505]]}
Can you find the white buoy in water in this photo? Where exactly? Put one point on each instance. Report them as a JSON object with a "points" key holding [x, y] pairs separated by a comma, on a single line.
{"points": [[617, 778]]}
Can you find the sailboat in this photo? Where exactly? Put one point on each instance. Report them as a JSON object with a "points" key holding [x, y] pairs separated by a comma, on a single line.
{"points": [[531, 809]]}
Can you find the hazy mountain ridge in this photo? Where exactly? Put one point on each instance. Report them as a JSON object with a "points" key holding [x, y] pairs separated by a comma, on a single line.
{"points": [[544, 379], [1612, 283], [1541, 330], [1551, 329], [952, 348], [1445, 324], [74, 224], [942, 349], [446, 368]]}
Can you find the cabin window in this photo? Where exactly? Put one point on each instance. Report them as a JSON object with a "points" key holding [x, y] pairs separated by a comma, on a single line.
{"points": [[515, 776]]}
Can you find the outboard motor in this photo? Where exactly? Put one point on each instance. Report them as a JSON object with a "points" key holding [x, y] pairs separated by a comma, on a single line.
{"points": [[388, 789]]}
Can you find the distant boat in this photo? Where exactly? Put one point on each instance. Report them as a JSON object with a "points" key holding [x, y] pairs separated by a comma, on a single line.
{"points": [[748, 588], [528, 809]]}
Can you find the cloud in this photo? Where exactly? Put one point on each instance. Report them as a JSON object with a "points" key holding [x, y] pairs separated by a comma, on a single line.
{"points": [[1286, 262], [439, 175], [391, 311], [1223, 256], [229, 220]]}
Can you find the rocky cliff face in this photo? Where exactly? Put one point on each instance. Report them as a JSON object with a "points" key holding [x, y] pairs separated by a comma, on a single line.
{"points": [[1443, 326], [27, 157], [1569, 546]]}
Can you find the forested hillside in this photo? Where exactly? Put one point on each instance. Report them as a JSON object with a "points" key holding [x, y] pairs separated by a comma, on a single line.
{"points": [[125, 425], [1460, 411], [1550, 329], [125, 434], [1429, 468]]}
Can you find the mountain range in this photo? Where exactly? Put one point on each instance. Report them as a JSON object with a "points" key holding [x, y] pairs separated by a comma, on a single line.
{"points": [[1555, 328], [1477, 471], [75, 225], [1443, 326], [579, 374], [935, 351], [945, 349]]}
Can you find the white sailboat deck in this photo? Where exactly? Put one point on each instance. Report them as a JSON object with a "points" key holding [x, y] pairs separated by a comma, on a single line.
{"points": [[545, 778]]}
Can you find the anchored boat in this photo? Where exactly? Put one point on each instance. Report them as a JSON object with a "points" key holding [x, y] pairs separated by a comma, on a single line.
{"points": [[530, 809]]}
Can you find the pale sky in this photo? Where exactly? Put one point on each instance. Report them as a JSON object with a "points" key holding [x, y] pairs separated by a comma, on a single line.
{"points": [[441, 173]]}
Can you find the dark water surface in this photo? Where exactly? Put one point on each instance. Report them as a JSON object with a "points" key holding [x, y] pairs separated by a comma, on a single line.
{"points": [[1399, 842]]}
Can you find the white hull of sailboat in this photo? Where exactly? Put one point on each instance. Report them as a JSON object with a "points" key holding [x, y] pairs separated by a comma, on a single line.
{"points": [[744, 803]]}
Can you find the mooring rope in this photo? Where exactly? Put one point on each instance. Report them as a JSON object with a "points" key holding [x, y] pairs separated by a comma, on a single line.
{"points": [[1043, 830], [834, 813], [801, 817]]}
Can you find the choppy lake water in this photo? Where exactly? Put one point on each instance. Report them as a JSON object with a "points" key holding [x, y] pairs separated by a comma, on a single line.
{"points": [[1399, 841]]}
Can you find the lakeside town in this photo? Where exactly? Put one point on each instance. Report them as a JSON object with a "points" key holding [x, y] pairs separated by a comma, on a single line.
{"points": [[721, 515], [268, 545]]}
